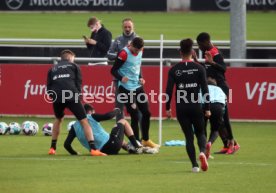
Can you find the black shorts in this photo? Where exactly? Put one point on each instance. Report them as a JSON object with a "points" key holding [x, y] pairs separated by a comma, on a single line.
{"points": [[75, 107], [116, 138]]}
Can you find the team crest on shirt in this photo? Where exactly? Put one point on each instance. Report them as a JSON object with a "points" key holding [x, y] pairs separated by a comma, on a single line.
{"points": [[178, 73]]}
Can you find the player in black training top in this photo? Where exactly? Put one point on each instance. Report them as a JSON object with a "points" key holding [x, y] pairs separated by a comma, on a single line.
{"points": [[216, 68], [64, 86], [189, 78]]}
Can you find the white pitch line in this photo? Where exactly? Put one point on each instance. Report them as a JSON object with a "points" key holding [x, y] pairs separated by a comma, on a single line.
{"points": [[232, 163]]}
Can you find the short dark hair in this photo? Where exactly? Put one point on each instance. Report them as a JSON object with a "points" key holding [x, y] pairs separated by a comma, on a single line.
{"points": [[203, 37], [186, 46], [138, 43], [65, 53], [88, 107]]}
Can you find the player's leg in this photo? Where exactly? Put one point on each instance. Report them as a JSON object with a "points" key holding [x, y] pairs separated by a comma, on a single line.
{"points": [[131, 107], [197, 119], [59, 114], [129, 133], [143, 107], [78, 110], [187, 129], [116, 138], [118, 104], [216, 121], [68, 141]]}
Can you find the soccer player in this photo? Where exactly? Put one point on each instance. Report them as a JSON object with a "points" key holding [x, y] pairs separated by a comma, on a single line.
{"points": [[189, 78], [107, 143], [217, 107], [216, 68], [119, 43], [127, 70], [64, 87]]}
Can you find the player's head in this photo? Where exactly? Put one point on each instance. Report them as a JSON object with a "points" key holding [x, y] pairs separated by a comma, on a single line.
{"points": [[204, 41], [67, 55], [89, 109], [186, 47], [128, 26], [211, 80], [136, 45], [94, 24]]}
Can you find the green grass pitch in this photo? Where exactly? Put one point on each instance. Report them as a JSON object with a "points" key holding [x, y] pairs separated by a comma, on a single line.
{"points": [[25, 166], [260, 25]]}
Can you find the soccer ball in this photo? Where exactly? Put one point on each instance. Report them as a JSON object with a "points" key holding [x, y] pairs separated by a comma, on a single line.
{"points": [[15, 128], [36, 127], [3, 128], [29, 128], [47, 129], [70, 124]]}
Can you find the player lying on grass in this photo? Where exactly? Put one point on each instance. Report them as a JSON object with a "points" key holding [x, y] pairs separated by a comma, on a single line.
{"points": [[108, 143]]}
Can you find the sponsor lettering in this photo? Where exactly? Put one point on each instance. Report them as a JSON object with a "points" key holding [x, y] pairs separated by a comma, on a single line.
{"points": [[258, 90]]}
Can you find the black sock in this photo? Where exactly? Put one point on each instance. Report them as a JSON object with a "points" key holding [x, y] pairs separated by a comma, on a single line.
{"points": [[133, 141], [91, 144], [53, 144]]}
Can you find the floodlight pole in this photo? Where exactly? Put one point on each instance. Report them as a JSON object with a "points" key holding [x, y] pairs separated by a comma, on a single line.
{"points": [[238, 31], [160, 90]]}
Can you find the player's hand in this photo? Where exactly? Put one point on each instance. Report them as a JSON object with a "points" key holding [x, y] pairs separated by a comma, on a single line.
{"points": [[169, 113], [194, 56], [117, 111], [209, 58], [142, 81], [207, 114], [124, 79]]}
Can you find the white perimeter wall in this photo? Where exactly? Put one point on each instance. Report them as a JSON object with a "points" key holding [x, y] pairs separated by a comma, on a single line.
{"points": [[178, 5]]}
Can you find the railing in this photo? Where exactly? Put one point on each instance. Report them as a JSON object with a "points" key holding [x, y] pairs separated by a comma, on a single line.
{"points": [[166, 61], [147, 42]]}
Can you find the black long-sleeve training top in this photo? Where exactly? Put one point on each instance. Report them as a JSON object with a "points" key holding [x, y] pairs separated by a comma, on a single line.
{"points": [[218, 69], [189, 79], [64, 76]]}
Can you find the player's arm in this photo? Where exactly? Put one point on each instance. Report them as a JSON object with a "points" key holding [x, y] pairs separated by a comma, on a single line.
{"points": [[68, 141], [216, 60], [49, 80], [219, 63], [205, 91], [78, 80], [106, 116], [119, 61], [113, 50], [169, 90]]}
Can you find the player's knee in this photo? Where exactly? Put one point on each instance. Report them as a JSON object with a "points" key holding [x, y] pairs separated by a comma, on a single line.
{"points": [[122, 121]]}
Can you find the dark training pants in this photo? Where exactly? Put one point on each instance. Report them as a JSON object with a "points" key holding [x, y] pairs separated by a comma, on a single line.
{"points": [[191, 120], [75, 107], [116, 138], [136, 101], [226, 133], [216, 121]]}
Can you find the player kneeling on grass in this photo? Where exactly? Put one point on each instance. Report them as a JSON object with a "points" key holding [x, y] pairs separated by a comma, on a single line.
{"points": [[107, 143]]}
